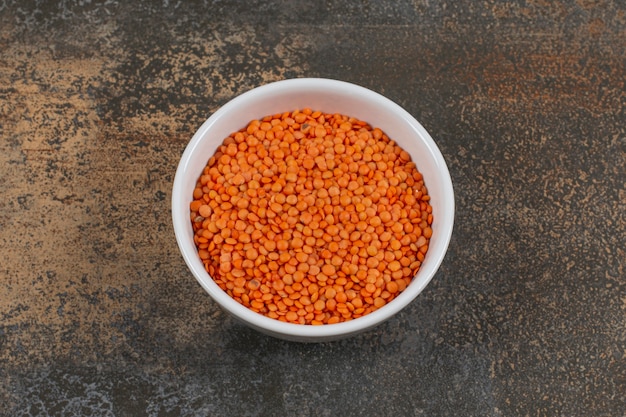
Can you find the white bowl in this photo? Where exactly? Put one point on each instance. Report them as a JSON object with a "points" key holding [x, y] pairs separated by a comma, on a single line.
{"points": [[328, 96]]}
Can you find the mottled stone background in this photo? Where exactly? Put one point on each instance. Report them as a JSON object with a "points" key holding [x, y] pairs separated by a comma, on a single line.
{"points": [[99, 315]]}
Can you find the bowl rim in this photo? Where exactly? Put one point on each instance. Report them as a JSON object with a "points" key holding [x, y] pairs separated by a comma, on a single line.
{"points": [[291, 330]]}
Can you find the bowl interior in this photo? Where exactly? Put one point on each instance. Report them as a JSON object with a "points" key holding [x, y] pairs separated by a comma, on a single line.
{"points": [[332, 97]]}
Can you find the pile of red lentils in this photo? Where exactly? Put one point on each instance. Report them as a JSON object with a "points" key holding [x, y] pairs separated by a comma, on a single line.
{"points": [[311, 218]]}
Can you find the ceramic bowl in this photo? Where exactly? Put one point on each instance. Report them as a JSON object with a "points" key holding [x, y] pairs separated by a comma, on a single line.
{"points": [[330, 96]]}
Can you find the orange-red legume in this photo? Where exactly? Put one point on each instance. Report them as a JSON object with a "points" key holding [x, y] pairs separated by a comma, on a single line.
{"points": [[311, 218]]}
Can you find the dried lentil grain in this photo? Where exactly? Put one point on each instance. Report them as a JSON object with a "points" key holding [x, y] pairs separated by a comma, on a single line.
{"points": [[311, 218]]}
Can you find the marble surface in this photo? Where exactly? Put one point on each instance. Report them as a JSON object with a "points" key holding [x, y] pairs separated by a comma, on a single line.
{"points": [[99, 316]]}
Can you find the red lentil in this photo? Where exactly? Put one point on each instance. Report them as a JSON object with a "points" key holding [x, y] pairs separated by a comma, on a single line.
{"points": [[311, 218]]}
